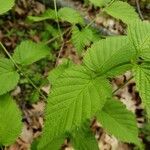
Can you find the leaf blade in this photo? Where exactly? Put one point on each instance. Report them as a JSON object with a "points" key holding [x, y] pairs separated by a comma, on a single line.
{"points": [[117, 120], [123, 11], [110, 56], [9, 113], [6, 5], [29, 52], [71, 101], [70, 15], [8, 76]]}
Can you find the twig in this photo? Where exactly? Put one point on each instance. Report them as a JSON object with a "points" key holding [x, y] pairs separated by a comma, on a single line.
{"points": [[120, 87], [56, 37], [59, 54], [56, 13], [22, 73], [139, 10]]}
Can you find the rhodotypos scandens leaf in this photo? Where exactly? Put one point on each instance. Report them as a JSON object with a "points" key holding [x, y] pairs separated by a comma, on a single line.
{"points": [[110, 56], [82, 38], [76, 96], [48, 14], [6, 5], [142, 78], [59, 70], [83, 138], [8, 76], [123, 11], [99, 3], [118, 121], [139, 35], [70, 15], [29, 52], [10, 120]]}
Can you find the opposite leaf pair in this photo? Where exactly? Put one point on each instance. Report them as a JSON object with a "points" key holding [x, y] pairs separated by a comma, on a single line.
{"points": [[82, 92]]}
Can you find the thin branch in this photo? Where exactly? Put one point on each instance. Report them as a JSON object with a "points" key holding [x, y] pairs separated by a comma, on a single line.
{"points": [[139, 10], [56, 37], [22, 73], [120, 87], [56, 13], [59, 54]]}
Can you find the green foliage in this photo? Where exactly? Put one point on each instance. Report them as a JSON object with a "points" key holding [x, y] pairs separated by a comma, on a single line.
{"points": [[99, 3], [110, 56], [80, 92], [118, 121], [59, 70], [6, 5], [10, 120], [29, 52], [48, 14], [123, 11], [139, 35], [82, 38], [70, 15], [8, 76], [83, 138], [71, 101], [142, 78]]}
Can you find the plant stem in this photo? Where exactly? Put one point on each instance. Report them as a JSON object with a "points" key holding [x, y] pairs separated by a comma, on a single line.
{"points": [[22, 73], [122, 85], [56, 13], [139, 10], [56, 37]]}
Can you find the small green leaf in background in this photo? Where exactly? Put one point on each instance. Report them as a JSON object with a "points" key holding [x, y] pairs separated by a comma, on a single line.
{"points": [[10, 120], [82, 38], [99, 3], [83, 139], [70, 15], [8, 76], [6, 5], [48, 14], [123, 11], [59, 70], [75, 97], [110, 56], [29, 52], [35, 97], [119, 121]]}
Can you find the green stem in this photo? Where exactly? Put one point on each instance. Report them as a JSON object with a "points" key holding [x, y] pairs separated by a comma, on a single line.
{"points": [[120, 87], [56, 13], [22, 73]]}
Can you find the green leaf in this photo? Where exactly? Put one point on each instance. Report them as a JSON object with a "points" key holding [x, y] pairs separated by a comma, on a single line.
{"points": [[118, 121], [29, 52], [48, 14], [59, 70], [139, 35], [83, 138], [8, 76], [70, 15], [54, 144], [10, 120], [82, 38], [76, 96], [142, 78], [123, 11], [110, 56], [99, 3], [6, 5]]}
